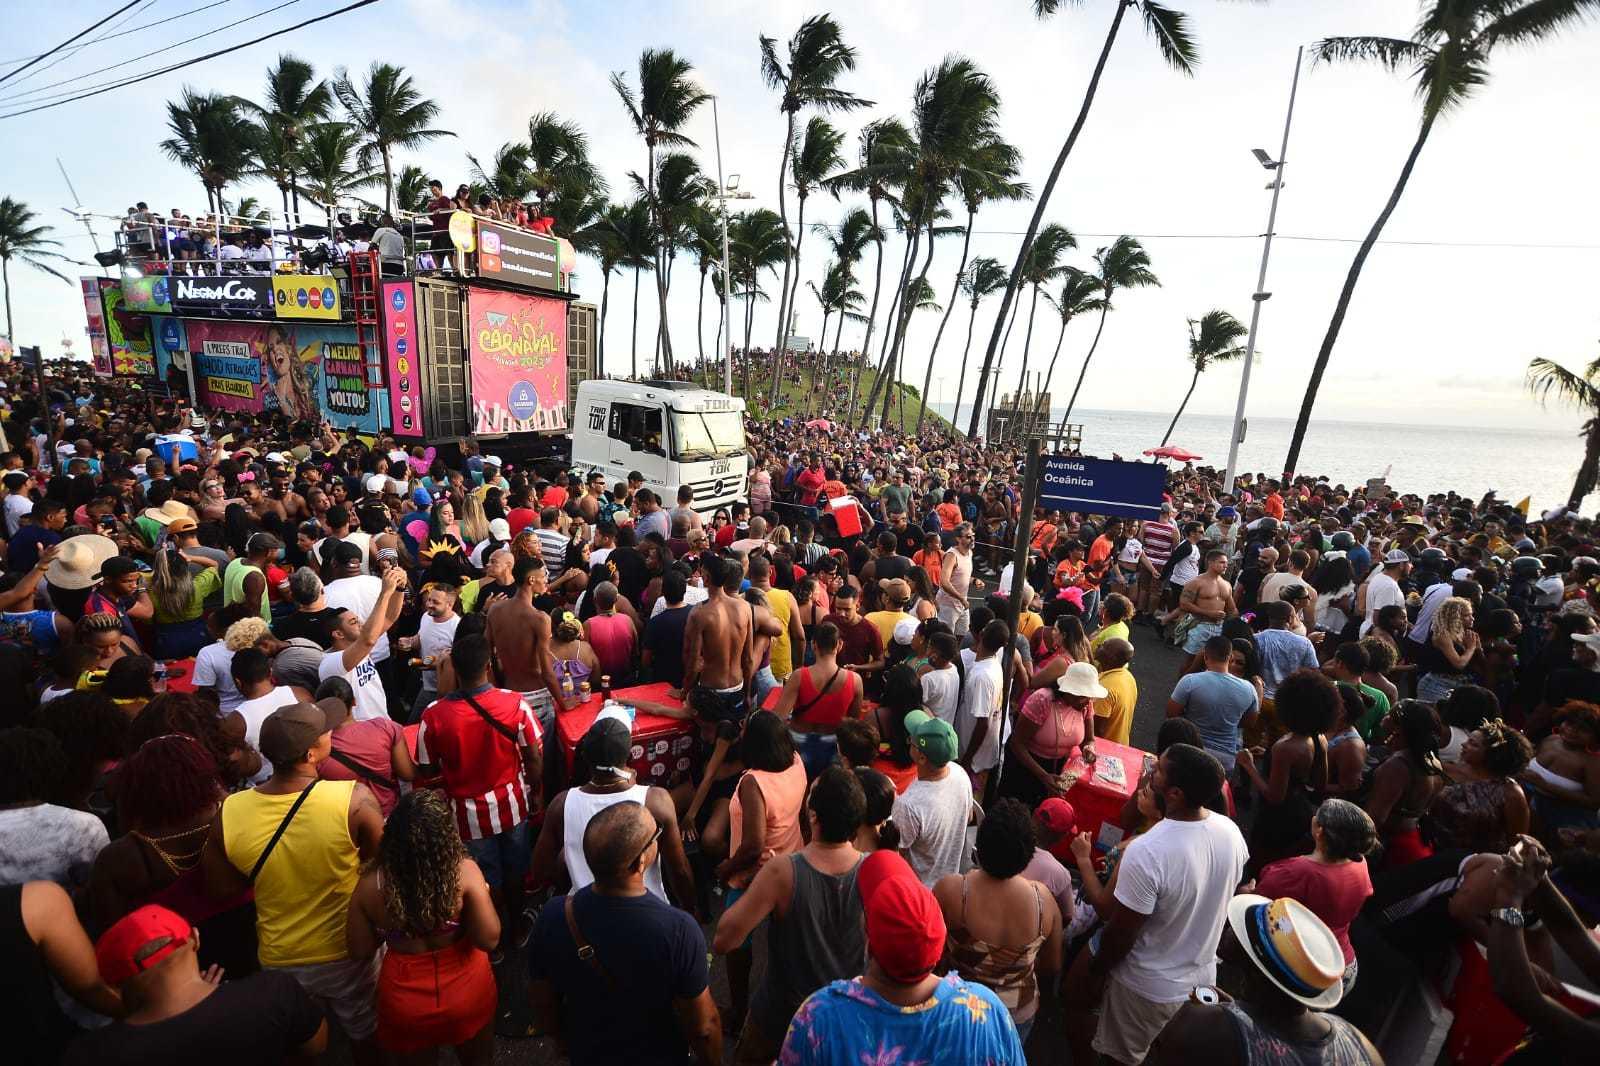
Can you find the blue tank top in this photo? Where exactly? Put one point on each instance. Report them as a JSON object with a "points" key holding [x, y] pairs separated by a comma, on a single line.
{"points": [[34, 631]]}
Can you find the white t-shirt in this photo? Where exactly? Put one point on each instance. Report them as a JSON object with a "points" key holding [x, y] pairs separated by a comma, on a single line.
{"points": [[49, 843], [17, 505], [932, 817], [1004, 588], [941, 693], [213, 668], [1186, 569], [1132, 551], [434, 638], [1181, 875], [692, 594], [1382, 591], [980, 699], [359, 595], [370, 699], [254, 712]]}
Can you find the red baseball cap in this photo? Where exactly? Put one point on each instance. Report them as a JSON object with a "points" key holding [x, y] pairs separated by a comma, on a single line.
{"points": [[905, 928], [139, 941]]}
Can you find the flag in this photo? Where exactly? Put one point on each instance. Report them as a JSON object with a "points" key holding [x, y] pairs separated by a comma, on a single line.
{"points": [[1523, 506]]}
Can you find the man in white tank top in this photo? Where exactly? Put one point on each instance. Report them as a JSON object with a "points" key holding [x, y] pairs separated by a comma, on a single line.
{"points": [[605, 748]]}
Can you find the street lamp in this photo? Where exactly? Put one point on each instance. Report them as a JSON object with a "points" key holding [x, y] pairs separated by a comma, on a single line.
{"points": [[726, 190], [1261, 295]]}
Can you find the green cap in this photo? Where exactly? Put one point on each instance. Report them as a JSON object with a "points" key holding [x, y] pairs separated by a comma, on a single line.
{"points": [[933, 737]]}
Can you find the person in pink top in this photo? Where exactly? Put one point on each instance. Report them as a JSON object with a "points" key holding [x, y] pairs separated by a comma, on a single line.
{"points": [[1333, 881], [763, 824], [611, 635]]}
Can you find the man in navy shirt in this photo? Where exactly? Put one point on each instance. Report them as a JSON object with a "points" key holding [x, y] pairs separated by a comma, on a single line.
{"points": [[48, 519], [618, 975]]}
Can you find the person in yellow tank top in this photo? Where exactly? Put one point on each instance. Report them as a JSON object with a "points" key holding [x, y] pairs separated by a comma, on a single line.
{"points": [[304, 881], [788, 648]]}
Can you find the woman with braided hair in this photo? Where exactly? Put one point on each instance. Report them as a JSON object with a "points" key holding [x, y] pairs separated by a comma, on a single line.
{"points": [[428, 901], [1483, 809], [223, 737]]}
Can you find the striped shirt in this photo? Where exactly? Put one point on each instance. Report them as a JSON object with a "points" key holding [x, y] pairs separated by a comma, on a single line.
{"points": [[553, 549], [1159, 540], [481, 767]]}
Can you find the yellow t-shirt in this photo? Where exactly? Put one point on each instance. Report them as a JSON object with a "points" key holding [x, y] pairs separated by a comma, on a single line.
{"points": [[1029, 623], [886, 621], [782, 606], [303, 890], [1114, 714]]}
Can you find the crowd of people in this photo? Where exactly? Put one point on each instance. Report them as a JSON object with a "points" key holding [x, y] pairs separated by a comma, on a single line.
{"points": [[284, 764]]}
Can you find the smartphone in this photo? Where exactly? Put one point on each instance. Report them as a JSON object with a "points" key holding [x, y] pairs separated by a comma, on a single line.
{"points": [[108, 521]]}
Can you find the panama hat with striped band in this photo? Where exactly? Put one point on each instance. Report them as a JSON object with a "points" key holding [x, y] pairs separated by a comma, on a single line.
{"points": [[1292, 946]]}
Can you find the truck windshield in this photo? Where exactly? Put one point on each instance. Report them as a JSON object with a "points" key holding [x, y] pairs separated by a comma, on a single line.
{"points": [[707, 434]]}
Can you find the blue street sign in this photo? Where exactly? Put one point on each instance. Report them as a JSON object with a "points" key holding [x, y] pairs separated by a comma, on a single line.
{"points": [[1101, 486]]}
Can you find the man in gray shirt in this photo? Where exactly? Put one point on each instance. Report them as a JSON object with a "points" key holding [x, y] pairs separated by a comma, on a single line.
{"points": [[1216, 701]]}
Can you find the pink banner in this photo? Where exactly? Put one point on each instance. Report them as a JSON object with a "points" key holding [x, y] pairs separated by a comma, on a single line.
{"points": [[401, 356], [517, 345]]}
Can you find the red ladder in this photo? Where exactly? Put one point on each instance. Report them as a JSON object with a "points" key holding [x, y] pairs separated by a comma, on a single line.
{"points": [[364, 303]]}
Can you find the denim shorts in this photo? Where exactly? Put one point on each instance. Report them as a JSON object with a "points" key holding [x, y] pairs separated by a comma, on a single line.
{"points": [[816, 750], [506, 855]]}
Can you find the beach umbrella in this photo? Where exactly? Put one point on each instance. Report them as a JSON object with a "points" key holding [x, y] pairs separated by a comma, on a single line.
{"points": [[820, 423], [1175, 453]]}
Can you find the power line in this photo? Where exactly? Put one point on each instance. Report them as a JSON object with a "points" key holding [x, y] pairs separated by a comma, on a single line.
{"points": [[17, 97], [135, 29], [69, 40], [189, 62], [69, 53]]}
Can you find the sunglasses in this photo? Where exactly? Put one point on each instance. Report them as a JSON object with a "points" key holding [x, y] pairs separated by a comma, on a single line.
{"points": [[653, 838]]}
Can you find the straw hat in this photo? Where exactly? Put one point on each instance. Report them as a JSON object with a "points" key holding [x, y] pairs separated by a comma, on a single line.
{"points": [[1082, 679], [167, 512], [1290, 945], [78, 564]]}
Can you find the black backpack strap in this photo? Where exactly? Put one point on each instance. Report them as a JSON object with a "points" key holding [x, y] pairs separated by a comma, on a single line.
{"points": [[361, 771], [278, 834], [498, 726]]}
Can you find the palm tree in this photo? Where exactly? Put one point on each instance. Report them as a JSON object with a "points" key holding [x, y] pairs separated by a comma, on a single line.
{"points": [[558, 155], [1213, 339], [680, 192], [1448, 56], [295, 101], [882, 151], [989, 176], [1043, 267], [1170, 31], [246, 207], [211, 137], [847, 242], [389, 113], [28, 243], [982, 277], [637, 240], [817, 58], [814, 162], [331, 161], [411, 189], [756, 243], [666, 100], [705, 229], [507, 176], [1581, 391], [1080, 295], [604, 239], [1123, 264]]}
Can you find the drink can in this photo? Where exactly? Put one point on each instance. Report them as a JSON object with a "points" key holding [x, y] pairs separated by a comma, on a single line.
{"points": [[584, 688]]}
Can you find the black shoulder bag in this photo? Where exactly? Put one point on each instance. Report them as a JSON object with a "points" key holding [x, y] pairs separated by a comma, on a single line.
{"points": [[496, 724], [278, 834], [361, 771]]}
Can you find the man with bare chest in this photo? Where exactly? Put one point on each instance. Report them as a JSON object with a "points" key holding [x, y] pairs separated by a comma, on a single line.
{"points": [[519, 636], [270, 511], [589, 502], [1207, 600], [718, 650], [294, 505]]}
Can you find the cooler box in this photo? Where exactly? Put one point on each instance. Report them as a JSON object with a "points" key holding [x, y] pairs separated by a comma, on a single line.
{"points": [[663, 747], [1099, 795]]}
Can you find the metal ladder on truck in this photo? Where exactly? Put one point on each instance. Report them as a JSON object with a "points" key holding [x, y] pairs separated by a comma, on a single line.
{"points": [[364, 303]]}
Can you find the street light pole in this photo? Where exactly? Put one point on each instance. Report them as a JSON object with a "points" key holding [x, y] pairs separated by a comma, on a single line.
{"points": [[722, 204], [1261, 295]]}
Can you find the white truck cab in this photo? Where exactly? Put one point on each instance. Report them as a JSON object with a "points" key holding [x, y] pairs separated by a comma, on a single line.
{"points": [[673, 432]]}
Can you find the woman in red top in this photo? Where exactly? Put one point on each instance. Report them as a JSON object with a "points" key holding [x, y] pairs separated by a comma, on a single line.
{"points": [[816, 698], [1333, 880]]}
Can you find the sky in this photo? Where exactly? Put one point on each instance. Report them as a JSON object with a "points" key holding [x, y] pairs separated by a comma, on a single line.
{"points": [[1494, 252]]}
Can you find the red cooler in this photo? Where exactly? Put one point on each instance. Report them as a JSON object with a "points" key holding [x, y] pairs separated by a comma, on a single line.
{"points": [[663, 747], [1104, 788]]}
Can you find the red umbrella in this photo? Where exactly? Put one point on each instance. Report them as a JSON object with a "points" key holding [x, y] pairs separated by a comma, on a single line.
{"points": [[820, 423], [1175, 453]]}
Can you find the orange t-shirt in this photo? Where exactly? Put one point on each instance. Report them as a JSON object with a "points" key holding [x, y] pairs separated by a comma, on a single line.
{"points": [[949, 516], [932, 562], [1044, 535], [1273, 505]]}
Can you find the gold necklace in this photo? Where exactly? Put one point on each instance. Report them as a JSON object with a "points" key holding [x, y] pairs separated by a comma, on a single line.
{"points": [[179, 862]]}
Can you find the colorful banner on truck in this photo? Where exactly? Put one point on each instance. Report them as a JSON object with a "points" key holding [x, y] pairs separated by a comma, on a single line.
{"points": [[94, 317], [518, 257], [236, 295], [401, 355], [127, 335], [306, 296], [303, 372], [517, 346], [151, 293]]}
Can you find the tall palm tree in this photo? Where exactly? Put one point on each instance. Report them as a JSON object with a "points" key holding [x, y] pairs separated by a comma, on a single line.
{"points": [[989, 176], [882, 151], [705, 230], [22, 238], [296, 99], [667, 98], [680, 192], [1213, 339], [558, 155], [389, 113], [210, 136], [982, 277], [637, 239], [1579, 390], [1448, 56], [815, 161], [1122, 264], [604, 239], [1080, 295], [507, 175], [1043, 267], [411, 189], [1170, 31], [817, 58], [846, 242], [331, 160], [756, 244]]}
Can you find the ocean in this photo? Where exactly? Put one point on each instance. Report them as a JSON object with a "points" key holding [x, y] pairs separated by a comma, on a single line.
{"points": [[1471, 460]]}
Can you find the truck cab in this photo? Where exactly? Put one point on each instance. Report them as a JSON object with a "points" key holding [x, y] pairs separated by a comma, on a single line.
{"points": [[673, 432]]}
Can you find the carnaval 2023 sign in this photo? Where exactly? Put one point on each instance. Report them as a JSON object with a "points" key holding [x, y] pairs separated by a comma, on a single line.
{"points": [[304, 372], [517, 345]]}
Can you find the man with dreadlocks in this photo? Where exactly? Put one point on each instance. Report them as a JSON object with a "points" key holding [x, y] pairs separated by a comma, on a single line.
{"points": [[428, 901]]}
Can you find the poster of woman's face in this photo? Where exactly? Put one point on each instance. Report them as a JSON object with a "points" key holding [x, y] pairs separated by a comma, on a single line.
{"points": [[287, 375]]}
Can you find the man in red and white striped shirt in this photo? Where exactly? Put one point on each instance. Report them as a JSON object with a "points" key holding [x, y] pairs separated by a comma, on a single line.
{"points": [[485, 743], [1160, 537]]}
